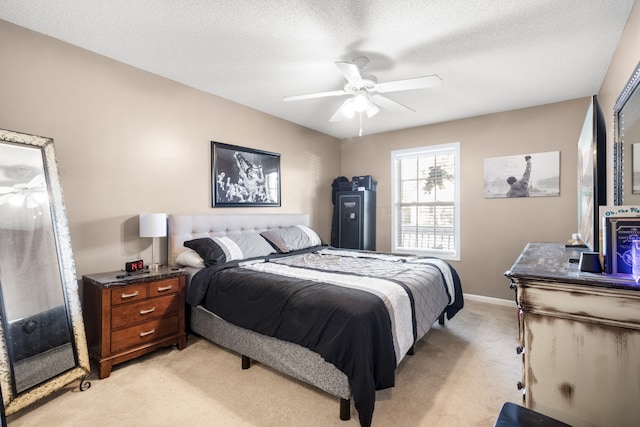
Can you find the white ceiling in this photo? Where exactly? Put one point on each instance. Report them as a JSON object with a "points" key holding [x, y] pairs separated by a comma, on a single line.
{"points": [[493, 55]]}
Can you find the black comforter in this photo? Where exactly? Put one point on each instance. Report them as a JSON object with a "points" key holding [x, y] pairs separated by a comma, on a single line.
{"points": [[349, 328]]}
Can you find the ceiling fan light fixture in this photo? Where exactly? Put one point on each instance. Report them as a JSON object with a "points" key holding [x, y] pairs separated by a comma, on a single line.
{"points": [[348, 109], [31, 202], [17, 199], [360, 101], [372, 109], [40, 197]]}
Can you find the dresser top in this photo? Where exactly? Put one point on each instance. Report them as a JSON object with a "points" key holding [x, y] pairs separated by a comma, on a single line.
{"points": [[119, 278], [555, 262]]}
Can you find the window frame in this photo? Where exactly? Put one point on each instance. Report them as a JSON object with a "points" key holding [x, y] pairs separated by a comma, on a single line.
{"points": [[395, 195]]}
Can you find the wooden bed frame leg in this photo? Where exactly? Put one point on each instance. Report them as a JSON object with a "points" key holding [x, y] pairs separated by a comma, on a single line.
{"points": [[246, 362], [345, 409], [441, 319]]}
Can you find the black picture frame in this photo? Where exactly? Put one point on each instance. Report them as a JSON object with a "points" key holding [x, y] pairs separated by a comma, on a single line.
{"points": [[243, 176], [592, 182]]}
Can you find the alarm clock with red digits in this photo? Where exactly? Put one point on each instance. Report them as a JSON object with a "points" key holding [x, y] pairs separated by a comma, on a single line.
{"points": [[134, 266]]}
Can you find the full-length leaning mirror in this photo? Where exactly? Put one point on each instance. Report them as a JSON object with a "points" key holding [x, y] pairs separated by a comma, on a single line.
{"points": [[42, 340], [626, 146]]}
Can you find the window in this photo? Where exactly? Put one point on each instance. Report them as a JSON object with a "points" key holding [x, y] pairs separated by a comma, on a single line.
{"points": [[425, 192]]}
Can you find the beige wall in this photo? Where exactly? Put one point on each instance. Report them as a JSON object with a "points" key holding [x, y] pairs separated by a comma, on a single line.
{"points": [[493, 231], [128, 142]]}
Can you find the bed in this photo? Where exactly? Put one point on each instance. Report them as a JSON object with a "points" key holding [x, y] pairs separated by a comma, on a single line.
{"points": [[306, 309]]}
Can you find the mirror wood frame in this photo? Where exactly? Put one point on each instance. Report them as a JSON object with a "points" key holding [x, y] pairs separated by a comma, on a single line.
{"points": [[619, 148], [13, 401]]}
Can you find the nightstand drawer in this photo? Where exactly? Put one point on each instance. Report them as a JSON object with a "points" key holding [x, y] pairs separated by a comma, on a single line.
{"points": [[143, 333], [163, 287], [130, 314], [128, 294]]}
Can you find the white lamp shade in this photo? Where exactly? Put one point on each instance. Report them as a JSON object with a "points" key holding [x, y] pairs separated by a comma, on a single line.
{"points": [[153, 224]]}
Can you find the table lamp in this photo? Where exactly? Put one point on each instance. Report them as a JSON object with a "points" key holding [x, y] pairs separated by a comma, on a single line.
{"points": [[153, 225]]}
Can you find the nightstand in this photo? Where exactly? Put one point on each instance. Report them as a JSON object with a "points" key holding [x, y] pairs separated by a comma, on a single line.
{"points": [[127, 316]]}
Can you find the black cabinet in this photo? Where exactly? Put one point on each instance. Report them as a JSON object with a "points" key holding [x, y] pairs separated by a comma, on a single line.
{"points": [[356, 219]]}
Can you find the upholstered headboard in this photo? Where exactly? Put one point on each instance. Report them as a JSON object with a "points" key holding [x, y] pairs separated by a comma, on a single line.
{"points": [[187, 227]]}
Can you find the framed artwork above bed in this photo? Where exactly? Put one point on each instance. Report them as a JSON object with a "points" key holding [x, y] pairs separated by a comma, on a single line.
{"points": [[244, 176]]}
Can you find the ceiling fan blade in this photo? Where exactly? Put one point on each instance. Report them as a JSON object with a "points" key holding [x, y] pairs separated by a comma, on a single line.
{"points": [[37, 181], [351, 73], [345, 110], [391, 105], [315, 95], [5, 190], [410, 84]]}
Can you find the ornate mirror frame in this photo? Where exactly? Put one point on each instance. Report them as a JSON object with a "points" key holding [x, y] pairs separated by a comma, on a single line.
{"points": [[12, 400], [630, 98]]}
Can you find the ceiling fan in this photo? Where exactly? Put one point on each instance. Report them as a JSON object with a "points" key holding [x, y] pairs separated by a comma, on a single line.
{"points": [[31, 194], [365, 91]]}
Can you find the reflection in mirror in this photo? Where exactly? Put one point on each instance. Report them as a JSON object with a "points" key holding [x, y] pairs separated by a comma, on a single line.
{"points": [[627, 134], [44, 347]]}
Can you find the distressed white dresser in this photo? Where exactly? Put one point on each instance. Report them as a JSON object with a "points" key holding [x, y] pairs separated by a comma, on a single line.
{"points": [[579, 339]]}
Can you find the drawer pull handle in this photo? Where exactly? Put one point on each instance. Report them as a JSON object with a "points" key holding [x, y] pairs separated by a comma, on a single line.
{"points": [[144, 334], [151, 310], [131, 295], [166, 288]]}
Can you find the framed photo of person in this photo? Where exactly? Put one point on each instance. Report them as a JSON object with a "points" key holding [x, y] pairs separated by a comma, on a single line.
{"points": [[244, 176], [524, 175]]}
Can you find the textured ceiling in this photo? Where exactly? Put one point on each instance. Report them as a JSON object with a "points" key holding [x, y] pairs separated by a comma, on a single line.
{"points": [[493, 55]]}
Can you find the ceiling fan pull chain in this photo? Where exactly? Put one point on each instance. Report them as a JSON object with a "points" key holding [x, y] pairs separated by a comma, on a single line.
{"points": [[360, 114]]}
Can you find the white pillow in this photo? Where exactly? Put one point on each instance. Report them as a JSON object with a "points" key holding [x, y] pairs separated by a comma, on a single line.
{"points": [[190, 258]]}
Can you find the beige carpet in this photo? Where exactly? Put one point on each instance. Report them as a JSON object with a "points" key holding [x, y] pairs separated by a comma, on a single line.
{"points": [[460, 375]]}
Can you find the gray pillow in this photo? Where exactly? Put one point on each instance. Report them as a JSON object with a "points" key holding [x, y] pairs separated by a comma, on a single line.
{"points": [[243, 246], [292, 238]]}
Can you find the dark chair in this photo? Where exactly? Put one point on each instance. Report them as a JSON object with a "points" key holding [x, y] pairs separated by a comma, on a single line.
{"points": [[513, 415]]}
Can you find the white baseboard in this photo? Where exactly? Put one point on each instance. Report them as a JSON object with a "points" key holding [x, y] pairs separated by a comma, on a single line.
{"points": [[490, 300]]}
